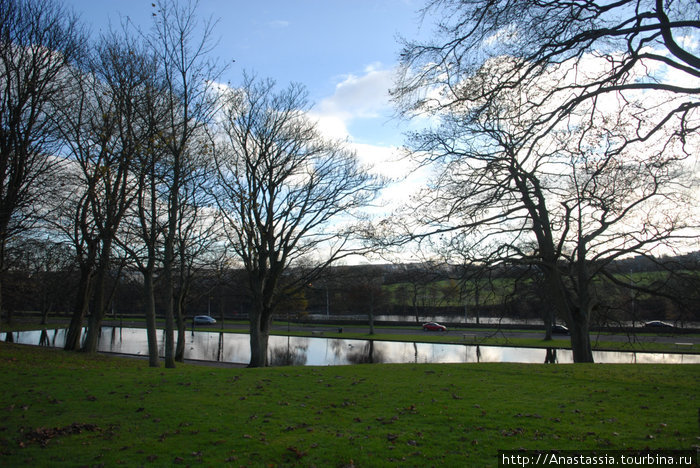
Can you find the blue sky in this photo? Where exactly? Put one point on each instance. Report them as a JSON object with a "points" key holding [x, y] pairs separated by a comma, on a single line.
{"points": [[343, 51]]}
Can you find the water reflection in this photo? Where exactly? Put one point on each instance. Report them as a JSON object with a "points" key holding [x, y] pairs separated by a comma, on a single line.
{"points": [[295, 351], [366, 354], [289, 355], [551, 356]]}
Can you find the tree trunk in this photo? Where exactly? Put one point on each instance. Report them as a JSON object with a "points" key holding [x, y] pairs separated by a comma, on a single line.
{"points": [[169, 298], [151, 332], [414, 303], [2, 272], [181, 338], [169, 330], [548, 322], [180, 320], [476, 300], [169, 262], [580, 337], [259, 337], [82, 304], [92, 335], [45, 311], [576, 317], [1, 298]]}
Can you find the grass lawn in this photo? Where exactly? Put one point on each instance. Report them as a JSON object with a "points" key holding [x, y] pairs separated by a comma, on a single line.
{"points": [[83, 410]]}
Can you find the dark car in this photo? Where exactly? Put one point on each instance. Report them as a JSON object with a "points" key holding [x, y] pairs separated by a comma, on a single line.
{"points": [[657, 324], [203, 320], [432, 326], [559, 330]]}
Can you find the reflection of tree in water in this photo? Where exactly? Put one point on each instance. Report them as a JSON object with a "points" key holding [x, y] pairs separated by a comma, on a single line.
{"points": [[44, 338], [551, 356], [114, 336], [337, 347], [288, 356], [220, 353], [365, 354]]}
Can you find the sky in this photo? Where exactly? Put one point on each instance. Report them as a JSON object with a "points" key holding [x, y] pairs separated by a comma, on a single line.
{"points": [[343, 51]]}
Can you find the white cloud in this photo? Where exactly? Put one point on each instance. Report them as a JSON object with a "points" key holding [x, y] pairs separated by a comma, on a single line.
{"points": [[688, 42], [278, 24], [363, 99], [364, 96]]}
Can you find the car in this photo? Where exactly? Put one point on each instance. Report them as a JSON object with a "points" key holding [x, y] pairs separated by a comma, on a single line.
{"points": [[432, 326], [658, 324], [559, 330], [203, 320]]}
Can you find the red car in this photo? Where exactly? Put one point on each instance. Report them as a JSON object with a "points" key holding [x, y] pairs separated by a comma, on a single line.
{"points": [[432, 326]]}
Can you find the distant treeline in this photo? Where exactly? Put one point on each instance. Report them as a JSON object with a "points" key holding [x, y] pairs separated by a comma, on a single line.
{"points": [[639, 288]]}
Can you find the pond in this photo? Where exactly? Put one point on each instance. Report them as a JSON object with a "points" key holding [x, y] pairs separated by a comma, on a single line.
{"points": [[304, 351]]}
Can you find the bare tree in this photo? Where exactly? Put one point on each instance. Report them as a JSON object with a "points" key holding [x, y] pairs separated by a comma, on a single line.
{"points": [[285, 193], [199, 245], [560, 139], [365, 293], [39, 39], [43, 268], [145, 225], [645, 44], [418, 288], [189, 79], [104, 131], [570, 201]]}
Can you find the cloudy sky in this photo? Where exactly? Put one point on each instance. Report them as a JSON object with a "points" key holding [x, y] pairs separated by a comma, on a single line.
{"points": [[343, 51]]}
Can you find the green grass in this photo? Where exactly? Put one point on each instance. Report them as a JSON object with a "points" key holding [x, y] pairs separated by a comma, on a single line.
{"points": [[82, 410]]}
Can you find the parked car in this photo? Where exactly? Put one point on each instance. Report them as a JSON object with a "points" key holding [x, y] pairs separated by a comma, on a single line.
{"points": [[203, 320], [432, 326], [559, 330], [658, 324]]}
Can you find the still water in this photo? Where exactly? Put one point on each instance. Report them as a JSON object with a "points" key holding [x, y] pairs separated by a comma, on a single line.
{"points": [[302, 351]]}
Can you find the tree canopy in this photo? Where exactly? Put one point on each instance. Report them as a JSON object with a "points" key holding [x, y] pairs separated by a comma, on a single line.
{"points": [[564, 132]]}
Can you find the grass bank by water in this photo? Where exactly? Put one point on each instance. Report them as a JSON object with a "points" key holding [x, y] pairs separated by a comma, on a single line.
{"points": [[83, 410]]}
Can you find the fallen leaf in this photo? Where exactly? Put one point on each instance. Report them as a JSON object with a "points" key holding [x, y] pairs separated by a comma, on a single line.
{"points": [[298, 453]]}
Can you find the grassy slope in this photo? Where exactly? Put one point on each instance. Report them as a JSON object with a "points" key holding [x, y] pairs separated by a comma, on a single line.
{"points": [[64, 408], [492, 291]]}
